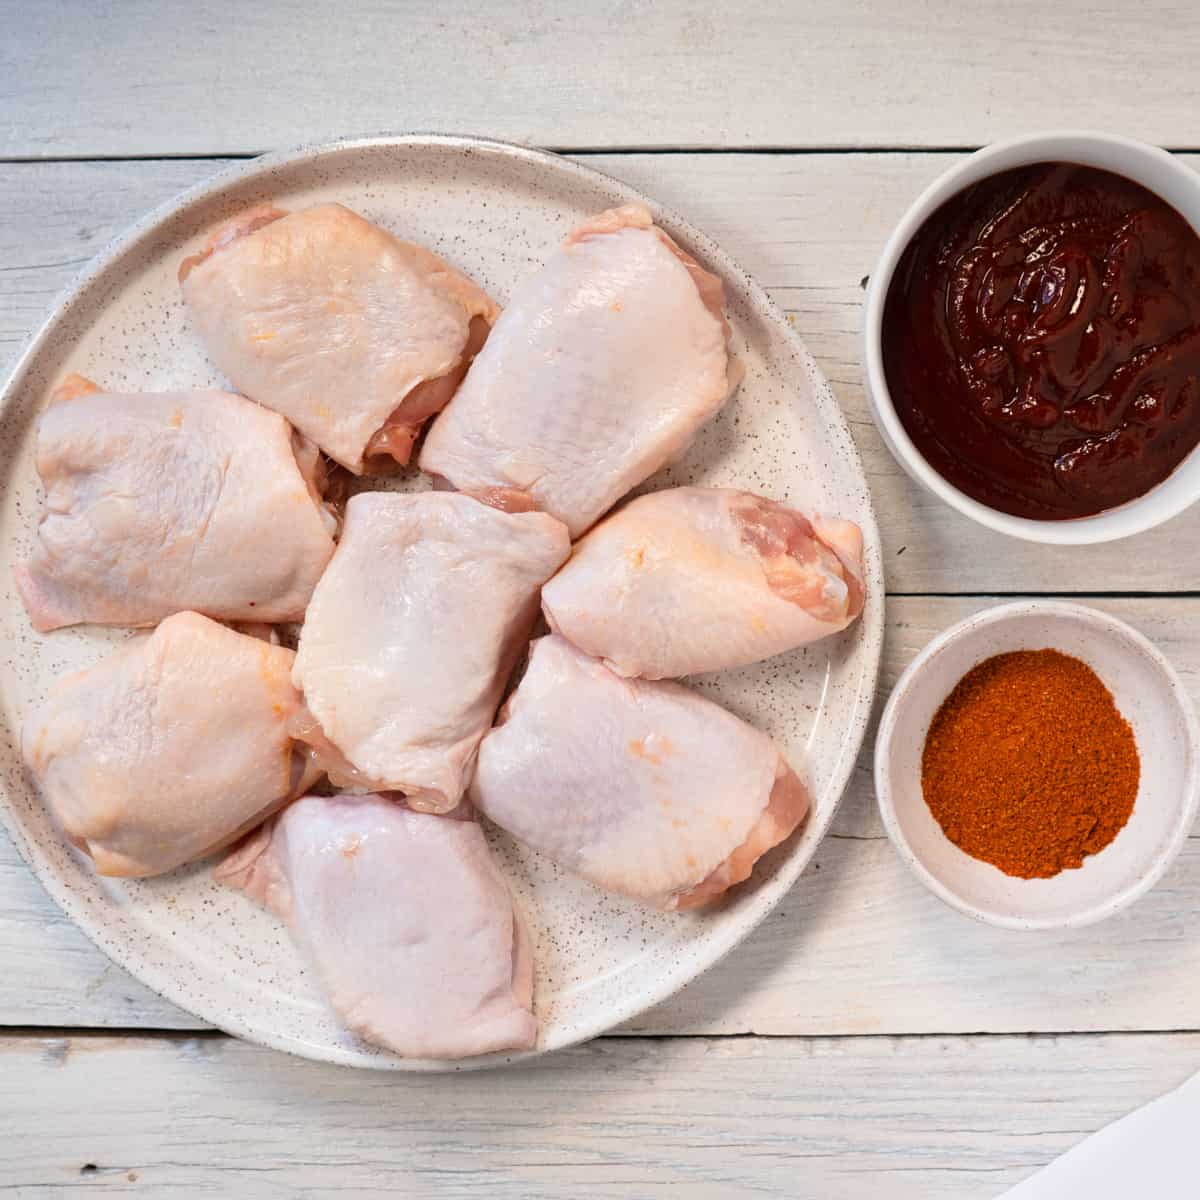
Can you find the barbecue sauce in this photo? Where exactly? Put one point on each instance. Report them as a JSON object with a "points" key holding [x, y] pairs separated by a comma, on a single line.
{"points": [[1041, 340]]}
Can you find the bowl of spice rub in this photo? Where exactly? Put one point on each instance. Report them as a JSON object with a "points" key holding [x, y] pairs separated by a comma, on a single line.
{"points": [[1032, 337], [1038, 765]]}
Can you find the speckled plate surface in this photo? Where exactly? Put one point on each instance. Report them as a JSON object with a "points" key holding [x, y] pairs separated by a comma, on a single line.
{"points": [[494, 210]]}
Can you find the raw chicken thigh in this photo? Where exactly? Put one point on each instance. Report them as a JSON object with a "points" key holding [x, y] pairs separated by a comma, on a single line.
{"points": [[413, 632], [170, 748], [410, 926], [156, 504], [603, 367], [644, 788], [354, 336], [698, 579]]}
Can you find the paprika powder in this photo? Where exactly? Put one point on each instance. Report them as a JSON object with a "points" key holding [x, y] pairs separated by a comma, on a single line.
{"points": [[1028, 764]]}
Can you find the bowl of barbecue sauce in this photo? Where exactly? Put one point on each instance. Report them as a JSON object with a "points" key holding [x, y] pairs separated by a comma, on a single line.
{"points": [[1032, 337]]}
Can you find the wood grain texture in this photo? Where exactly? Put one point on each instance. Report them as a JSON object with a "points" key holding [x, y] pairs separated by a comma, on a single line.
{"points": [[620, 1119], [808, 227], [858, 947], [120, 79]]}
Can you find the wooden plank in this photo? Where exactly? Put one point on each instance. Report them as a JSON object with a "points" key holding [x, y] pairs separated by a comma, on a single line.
{"points": [[807, 226], [208, 78], [814, 967], [841, 1120], [55, 975]]}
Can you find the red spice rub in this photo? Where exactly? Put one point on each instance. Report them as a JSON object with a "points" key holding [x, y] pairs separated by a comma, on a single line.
{"points": [[1028, 765]]}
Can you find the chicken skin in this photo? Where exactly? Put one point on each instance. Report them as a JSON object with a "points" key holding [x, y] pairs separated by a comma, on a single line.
{"points": [[354, 336], [169, 748], [409, 924], [157, 504], [644, 788], [699, 579], [602, 369], [412, 634]]}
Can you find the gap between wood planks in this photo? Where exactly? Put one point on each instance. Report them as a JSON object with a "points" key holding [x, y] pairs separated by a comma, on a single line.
{"points": [[116, 1032], [572, 151], [1044, 595]]}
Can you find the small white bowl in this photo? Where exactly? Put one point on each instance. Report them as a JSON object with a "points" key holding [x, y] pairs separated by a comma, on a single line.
{"points": [[1150, 697], [1154, 169]]}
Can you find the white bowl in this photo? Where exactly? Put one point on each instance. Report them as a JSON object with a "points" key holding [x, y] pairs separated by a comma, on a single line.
{"points": [[1154, 169], [1150, 697]]}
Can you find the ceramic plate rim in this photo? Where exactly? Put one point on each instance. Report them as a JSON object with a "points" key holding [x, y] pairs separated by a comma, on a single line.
{"points": [[160, 980]]}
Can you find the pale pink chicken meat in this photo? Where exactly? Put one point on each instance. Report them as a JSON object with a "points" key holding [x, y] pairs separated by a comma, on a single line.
{"points": [[700, 579], [160, 503], [602, 369], [413, 632], [412, 931], [353, 335], [171, 747], [641, 787]]}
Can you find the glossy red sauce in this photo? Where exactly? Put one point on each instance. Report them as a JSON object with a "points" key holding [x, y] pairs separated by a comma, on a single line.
{"points": [[1041, 340]]}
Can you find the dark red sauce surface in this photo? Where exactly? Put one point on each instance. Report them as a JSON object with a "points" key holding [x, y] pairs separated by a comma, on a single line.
{"points": [[1041, 340]]}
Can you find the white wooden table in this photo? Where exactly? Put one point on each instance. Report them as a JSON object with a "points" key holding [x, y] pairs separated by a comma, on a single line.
{"points": [[867, 1041]]}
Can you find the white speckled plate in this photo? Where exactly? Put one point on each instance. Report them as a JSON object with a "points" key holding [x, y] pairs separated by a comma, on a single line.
{"points": [[494, 210]]}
